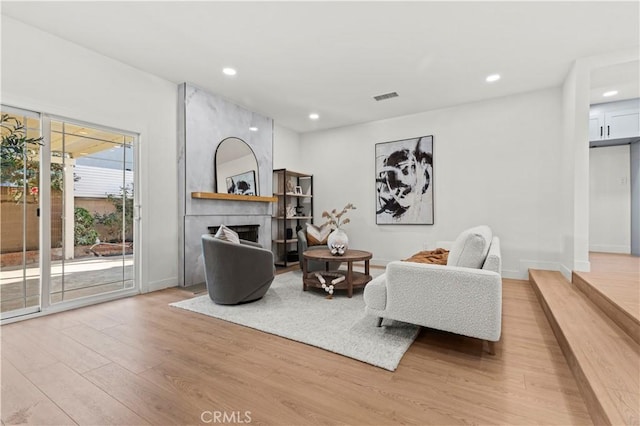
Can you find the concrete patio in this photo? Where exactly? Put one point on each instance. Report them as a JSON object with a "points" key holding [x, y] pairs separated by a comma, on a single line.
{"points": [[81, 277]]}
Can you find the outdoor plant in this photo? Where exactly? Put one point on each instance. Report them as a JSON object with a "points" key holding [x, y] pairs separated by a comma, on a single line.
{"points": [[19, 162], [116, 221], [18, 158], [84, 232], [335, 218]]}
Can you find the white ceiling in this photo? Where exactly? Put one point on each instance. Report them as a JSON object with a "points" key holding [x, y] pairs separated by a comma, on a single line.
{"points": [[294, 58], [623, 78]]}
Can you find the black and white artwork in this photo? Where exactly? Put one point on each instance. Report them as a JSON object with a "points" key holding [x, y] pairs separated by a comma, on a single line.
{"points": [[242, 184], [404, 182]]}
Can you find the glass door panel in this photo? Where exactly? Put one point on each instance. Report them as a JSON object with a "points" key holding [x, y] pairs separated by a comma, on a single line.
{"points": [[92, 224], [19, 213]]}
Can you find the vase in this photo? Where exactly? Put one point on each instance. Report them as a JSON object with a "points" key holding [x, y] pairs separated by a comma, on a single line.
{"points": [[338, 242]]}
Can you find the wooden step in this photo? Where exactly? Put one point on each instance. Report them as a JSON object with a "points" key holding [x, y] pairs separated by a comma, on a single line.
{"points": [[604, 359], [615, 296]]}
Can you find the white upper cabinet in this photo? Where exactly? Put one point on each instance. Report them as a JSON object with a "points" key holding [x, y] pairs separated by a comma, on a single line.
{"points": [[622, 124], [596, 127], [614, 120]]}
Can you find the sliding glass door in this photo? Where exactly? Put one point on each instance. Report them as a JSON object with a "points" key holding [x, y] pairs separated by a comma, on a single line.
{"points": [[68, 202], [19, 210], [92, 204]]}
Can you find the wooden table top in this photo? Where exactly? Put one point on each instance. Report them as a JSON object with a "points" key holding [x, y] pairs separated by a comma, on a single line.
{"points": [[325, 254]]}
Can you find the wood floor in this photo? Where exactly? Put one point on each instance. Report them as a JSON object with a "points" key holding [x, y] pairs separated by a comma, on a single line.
{"points": [[139, 361], [617, 276], [595, 321], [614, 285]]}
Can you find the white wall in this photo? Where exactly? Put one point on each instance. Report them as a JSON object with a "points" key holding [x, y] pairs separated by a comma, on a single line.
{"points": [[286, 149], [609, 199], [44, 73], [574, 151], [566, 182], [635, 198], [495, 162]]}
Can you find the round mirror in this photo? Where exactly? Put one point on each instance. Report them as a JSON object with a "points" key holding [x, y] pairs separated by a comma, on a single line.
{"points": [[236, 168]]}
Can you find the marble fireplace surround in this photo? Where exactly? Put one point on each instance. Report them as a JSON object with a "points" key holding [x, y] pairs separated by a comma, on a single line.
{"points": [[205, 120]]}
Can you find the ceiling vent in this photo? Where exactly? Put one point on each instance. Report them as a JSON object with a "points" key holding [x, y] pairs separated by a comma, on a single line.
{"points": [[386, 96]]}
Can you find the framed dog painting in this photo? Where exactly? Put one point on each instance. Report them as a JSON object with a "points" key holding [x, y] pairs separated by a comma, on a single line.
{"points": [[404, 182]]}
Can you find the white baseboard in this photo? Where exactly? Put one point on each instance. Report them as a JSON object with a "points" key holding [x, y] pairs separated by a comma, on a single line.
{"points": [[551, 266], [379, 262], [566, 272], [525, 265], [582, 266], [554, 266], [607, 248], [159, 285], [514, 275]]}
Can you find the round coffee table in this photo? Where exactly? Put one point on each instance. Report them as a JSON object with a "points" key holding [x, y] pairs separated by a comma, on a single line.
{"points": [[352, 279]]}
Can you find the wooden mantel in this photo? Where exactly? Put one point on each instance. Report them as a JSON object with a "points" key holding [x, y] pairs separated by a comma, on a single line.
{"points": [[232, 197]]}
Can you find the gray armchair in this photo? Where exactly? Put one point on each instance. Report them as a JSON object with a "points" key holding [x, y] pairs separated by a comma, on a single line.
{"points": [[236, 273], [313, 265]]}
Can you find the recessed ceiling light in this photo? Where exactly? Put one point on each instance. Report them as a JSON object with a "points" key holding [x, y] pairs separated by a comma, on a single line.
{"points": [[253, 129], [314, 116], [610, 93], [492, 78], [82, 132], [229, 71]]}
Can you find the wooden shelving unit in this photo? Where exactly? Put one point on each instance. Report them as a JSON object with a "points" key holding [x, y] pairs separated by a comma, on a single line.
{"points": [[285, 184], [290, 194]]}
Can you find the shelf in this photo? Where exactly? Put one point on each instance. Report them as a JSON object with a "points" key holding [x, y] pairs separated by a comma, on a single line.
{"points": [[294, 194], [293, 174], [292, 217], [291, 194], [232, 197]]}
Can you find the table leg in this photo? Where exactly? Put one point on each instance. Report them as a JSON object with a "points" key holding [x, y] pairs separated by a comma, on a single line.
{"points": [[305, 266], [349, 278], [326, 266], [366, 267]]}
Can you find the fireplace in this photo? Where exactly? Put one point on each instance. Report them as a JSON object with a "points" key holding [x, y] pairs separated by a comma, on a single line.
{"points": [[204, 121], [245, 232]]}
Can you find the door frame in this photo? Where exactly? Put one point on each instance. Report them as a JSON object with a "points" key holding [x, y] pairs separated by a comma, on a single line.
{"points": [[45, 306]]}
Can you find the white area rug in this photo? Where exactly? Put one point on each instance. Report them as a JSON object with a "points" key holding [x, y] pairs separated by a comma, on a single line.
{"points": [[338, 325]]}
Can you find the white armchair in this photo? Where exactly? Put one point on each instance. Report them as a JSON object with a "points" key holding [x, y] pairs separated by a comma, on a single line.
{"points": [[463, 297]]}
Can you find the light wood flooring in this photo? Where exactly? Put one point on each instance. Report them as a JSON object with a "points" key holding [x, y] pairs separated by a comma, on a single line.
{"points": [[595, 319], [617, 278], [139, 361]]}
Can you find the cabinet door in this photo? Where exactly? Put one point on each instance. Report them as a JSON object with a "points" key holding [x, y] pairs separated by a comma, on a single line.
{"points": [[596, 127], [622, 124]]}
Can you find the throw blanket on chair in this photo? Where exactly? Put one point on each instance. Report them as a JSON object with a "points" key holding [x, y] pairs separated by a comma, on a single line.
{"points": [[438, 256]]}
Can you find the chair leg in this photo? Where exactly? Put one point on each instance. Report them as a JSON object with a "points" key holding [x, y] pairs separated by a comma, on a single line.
{"points": [[490, 347], [379, 324]]}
